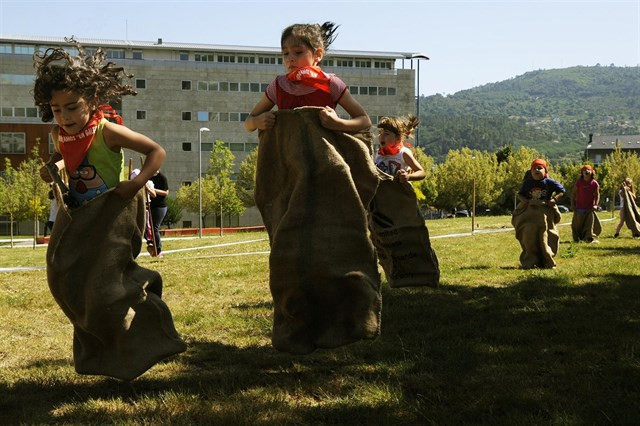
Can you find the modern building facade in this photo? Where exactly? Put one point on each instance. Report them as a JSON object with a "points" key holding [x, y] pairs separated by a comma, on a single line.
{"points": [[183, 87]]}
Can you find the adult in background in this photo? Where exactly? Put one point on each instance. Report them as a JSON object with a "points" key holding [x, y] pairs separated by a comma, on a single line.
{"points": [[159, 206]]}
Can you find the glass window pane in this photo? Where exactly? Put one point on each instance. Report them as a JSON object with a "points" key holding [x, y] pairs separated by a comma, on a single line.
{"points": [[203, 116], [213, 86], [244, 87], [202, 85], [224, 86], [233, 87], [391, 91], [239, 147], [207, 146]]}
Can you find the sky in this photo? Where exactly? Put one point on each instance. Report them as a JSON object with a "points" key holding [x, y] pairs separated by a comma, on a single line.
{"points": [[469, 43]]}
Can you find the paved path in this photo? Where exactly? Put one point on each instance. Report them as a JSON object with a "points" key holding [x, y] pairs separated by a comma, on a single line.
{"points": [[37, 268]]}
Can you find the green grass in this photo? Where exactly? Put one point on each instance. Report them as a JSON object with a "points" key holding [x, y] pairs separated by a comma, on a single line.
{"points": [[495, 344]]}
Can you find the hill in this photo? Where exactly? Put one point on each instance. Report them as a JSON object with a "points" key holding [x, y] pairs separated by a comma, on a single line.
{"points": [[552, 111]]}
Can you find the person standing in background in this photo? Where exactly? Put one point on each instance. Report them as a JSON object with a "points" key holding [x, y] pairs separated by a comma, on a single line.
{"points": [[159, 206]]}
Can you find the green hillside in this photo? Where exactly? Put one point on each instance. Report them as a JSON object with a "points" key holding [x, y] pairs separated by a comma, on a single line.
{"points": [[552, 111]]}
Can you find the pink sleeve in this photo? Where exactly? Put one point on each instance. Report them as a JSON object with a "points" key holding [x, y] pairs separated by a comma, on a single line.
{"points": [[270, 91], [337, 86]]}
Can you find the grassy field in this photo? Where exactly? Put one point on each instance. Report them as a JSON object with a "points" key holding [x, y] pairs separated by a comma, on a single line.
{"points": [[494, 344]]}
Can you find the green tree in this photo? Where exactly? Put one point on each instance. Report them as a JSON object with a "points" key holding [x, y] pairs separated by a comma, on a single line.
{"points": [[247, 179], [426, 189], [174, 212], [513, 169], [9, 195], [33, 193], [616, 167]]}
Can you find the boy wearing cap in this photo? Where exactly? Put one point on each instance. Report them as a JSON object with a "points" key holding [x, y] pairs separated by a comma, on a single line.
{"points": [[537, 185], [585, 197]]}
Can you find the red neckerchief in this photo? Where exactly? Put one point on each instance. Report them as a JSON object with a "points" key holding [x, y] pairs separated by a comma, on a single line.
{"points": [[310, 76], [74, 147], [390, 150]]}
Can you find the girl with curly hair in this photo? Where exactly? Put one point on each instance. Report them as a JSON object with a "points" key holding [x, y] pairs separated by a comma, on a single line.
{"points": [[305, 84], [73, 90], [393, 157]]}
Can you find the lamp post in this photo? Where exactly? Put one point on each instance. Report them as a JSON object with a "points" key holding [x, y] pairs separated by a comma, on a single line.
{"points": [[417, 57], [473, 199], [202, 129]]}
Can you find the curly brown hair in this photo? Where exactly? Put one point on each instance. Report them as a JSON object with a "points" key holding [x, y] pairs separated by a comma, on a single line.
{"points": [[399, 126], [314, 36], [84, 74]]}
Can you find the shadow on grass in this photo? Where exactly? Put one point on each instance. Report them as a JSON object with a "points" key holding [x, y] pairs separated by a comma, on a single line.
{"points": [[541, 350]]}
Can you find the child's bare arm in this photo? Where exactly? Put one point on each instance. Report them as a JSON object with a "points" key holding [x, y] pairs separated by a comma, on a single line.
{"points": [[359, 119], [417, 172], [117, 137], [261, 116]]}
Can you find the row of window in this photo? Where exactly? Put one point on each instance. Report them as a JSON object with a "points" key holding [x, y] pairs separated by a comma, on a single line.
{"points": [[29, 112], [209, 57], [12, 143]]}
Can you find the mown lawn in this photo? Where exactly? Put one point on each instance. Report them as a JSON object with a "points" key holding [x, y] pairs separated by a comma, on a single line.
{"points": [[494, 344]]}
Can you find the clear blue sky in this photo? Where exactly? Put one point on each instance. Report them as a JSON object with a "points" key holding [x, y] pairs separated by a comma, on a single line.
{"points": [[470, 43]]}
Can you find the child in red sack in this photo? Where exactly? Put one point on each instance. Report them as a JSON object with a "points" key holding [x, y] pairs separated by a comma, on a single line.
{"points": [[393, 157], [305, 84], [74, 91]]}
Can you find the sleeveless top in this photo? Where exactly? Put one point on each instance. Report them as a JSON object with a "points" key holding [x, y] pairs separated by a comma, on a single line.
{"points": [[100, 170], [288, 94], [391, 164], [586, 193]]}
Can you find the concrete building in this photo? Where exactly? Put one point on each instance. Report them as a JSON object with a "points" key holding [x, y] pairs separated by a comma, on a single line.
{"points": [[185, 86]]}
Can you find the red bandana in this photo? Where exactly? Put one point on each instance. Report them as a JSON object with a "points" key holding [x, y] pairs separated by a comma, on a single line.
{"points": [[390, 150], [311, 76], [74, 147]]}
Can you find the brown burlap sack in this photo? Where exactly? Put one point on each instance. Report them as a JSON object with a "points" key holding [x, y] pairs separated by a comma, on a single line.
{"points": [[312, 189], [631, 214], [120, 329], [585, 226], [401, 237], [536, 230]]}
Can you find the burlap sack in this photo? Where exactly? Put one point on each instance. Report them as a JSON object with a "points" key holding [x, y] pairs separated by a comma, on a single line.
{"points": [[631, 214], [312, 189], [401, 237], [120, 329], [585, 226], [536, 230]]}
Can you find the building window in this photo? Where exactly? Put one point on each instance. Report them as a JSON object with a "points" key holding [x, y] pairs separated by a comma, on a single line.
{"points": [[354, 90], [17, 79], [213, 86], [246, 59], [382, 91], [206, 146], [186, 84], [184, 56], [24, 50], [248, 147], [90, 51], [12, 143], [234, 116], [226, 58], [202, 116], [244, 116], [255, 87], [137, 54], [224, 86], [263, 86], [267, 60], [203, 85], [598, 159], [203, 58], [115, 53], [19, 112], [32, 112], [326, 63], [186, 223], [364, 90], [373, 91], [186, 146], [391, 91], [5, 48], [344, 63], [234, 87], [141, 83], [186, 115], [244, 87], [223, 116], [7, 112], [52, 147], [141, 115], [363, 64], [237, 147]]}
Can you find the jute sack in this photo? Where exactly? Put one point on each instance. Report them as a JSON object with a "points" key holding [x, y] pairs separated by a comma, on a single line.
{"points": [[120, 329], [631, 213], [585, 226], [536, 230], [312, 189], [401, 237]]}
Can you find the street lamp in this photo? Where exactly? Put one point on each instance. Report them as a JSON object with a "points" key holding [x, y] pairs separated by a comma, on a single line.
{"points": [[202, 129], [417, 57], [473, 201]]}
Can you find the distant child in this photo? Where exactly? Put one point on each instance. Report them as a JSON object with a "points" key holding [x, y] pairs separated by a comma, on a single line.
{"points": [[53, 211], [393, 157], [585, 197], [536, 216], [305, 84], [627, 185], [73, 90]]}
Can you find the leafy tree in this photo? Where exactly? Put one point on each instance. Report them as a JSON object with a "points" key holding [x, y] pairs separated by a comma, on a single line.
{"points": [[426, 189], [513, 170], [458, 174], [9, 194], [247, 179], [188, 196], [616, 167], [174, 212], [33, 191]]}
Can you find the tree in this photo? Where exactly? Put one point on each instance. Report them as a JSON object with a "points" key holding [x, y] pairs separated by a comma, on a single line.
{"points": [[455, 179], [9, 198], [426, 189], [513, 170], [174, 212], [616, 167], [33, 191], [247, 179]]}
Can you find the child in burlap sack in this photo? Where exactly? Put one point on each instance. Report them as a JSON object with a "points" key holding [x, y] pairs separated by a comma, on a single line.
{"points": [[585, 225], [536, 216], [398, 230], [305, 84]]}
